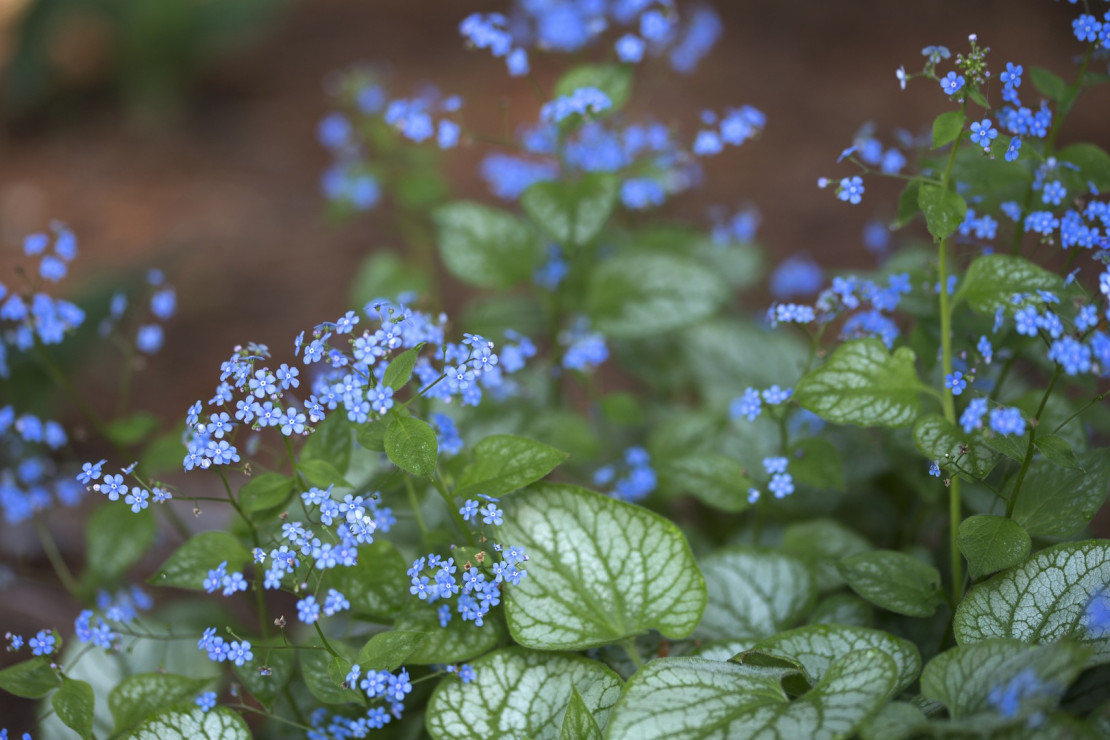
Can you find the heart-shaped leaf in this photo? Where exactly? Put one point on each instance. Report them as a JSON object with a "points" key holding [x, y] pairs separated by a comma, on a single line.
{"points": [[817, 647], [520, 693], [992, 543], [893, 580], [599, 570], [862, 383], [754, 593], [1043, 600], [220, 723]]}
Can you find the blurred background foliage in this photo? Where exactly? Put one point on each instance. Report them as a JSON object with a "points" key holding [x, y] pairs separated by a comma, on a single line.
{"points": [[145, 54]]}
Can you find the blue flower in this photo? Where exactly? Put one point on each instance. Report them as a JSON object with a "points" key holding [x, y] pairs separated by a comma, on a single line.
{"points": [[748, 405], [630, 48], [1013, 150], [983, 134], [492, 515], [952, 83], [851, 189], [308, 611], [206, 701], [955, 382], [42, 643], [934, 468], [1053, 193], [1007, 421]]}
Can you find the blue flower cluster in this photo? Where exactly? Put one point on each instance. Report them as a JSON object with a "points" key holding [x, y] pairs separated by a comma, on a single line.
{"points": [[30, 480], [656, 29], [585, 350], [122, 609], [35, 315], [781, 483], [45, 642], [850, 293], [138, 497], [149, 337], [750, 404], [347, 524], [638, 480], [436, 579], [219, 650]]}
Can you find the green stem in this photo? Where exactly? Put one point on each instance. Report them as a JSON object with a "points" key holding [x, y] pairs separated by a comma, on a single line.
{"points": [[259, 597], [327, 645], [57, 562], [947, 400], [1082, 408], [450, 501], [629, 646], [416, 508], [1030, 448]]}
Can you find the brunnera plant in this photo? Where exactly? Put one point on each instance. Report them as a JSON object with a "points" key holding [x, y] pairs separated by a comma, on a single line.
{"points": [[863, 514]]}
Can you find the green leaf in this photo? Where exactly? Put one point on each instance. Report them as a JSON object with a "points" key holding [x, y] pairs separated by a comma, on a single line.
{"points": [[321, 473], [315, 668], [863, 384], [817, 647], [371, 436], [265, 688], [74, 703], [503, 463], [399, 370], [116, 538], [599, 570], [131, 431], [962, 678], [520, 693], [907, 204], [1059, 502], [637, 295], [941, 440], [894, 721], [31, 679], [894, 581], [412, 446], [717, 480], [822, 543], [842, 608], [572, 213], [388, 651], [265, 491], [138, 697], [484, 246], [220, 723], [992, 280], [578, 722], [1058, 450], [1048, 84], [754, 593], [385, 275], [992, 543], [376, 585], [944, 210], [612, 79], [1093, 163], [679, 698], [189, 565], [946, 127], [1042, 600], [815, 462], [456, 642], [331, 441]]}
